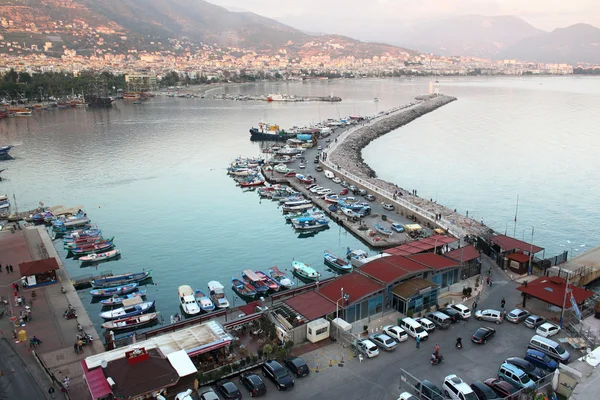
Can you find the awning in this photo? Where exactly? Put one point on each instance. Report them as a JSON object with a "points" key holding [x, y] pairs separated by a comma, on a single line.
{"points": [[38, 267], [182, 363], [96, 382]]}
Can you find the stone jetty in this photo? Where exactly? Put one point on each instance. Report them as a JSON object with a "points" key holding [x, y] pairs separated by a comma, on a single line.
{"points": [[345, 157]]}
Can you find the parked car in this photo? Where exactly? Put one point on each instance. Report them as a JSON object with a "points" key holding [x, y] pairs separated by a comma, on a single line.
{"points": [[229, 390], [353, 189], [517, 315], [187, 395], [279, 375], [465, 312], [315, 189], [345, 184], [452, 313], [428, 325], [533, 321], [547, 329], [407, 396], [383, 341], [362, 192], [316, 161], [297, 366], [343, 191], [366, 347], [301, 166], [318, 168], [397, 227], [320, 148], [541, 360], [427, 390], [515, 376], [369, 197], [395, 332], [336, 180], [504, 389], [483, 391], [483, 334], [455, 388], [253, 383], [388, 206], [534, 372], [489, 315], [207, 394]]}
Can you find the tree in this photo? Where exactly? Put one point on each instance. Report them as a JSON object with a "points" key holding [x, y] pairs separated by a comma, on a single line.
{"points": [[267, 350]]}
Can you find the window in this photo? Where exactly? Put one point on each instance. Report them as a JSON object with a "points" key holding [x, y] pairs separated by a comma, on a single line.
{"points": [[321, 331]]}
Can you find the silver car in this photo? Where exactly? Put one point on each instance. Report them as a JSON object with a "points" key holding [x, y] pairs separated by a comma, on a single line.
{"points": [[533, 321], [383, 341], [489, 315], [517, 315]]}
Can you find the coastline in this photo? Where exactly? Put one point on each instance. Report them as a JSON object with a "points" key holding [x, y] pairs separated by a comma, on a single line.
{"points": [[345, 157]]}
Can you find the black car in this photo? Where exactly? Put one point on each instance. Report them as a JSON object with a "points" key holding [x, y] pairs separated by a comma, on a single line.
{"points": [[279, 375], [427, 390], [534, 372], [453, 314], [297, 366], [253, 383], [483, 334], [483, 391], [229, 390], [316, 161]]}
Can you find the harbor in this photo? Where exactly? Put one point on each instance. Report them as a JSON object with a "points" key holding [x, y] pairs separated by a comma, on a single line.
{"points": [[274, 97]]}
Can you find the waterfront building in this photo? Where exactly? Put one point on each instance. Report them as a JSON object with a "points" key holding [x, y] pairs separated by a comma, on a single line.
{"points": [[141, 81]]}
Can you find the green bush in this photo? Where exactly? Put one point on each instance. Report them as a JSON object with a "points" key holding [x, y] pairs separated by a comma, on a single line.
{"points": [[366, 328]]}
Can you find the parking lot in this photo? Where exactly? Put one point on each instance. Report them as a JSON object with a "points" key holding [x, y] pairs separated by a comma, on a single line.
{"points": [[379, 378]]}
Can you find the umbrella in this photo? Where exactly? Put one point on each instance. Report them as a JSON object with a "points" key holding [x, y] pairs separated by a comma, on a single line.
{"points": [[555, 379]]}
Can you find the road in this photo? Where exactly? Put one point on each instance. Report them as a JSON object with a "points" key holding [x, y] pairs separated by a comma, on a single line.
{"points": [[16, 381]]}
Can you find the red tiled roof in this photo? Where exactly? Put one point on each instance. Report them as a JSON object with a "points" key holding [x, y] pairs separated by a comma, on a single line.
{"points": [[38, 267], [311, 305], [420, 246], [96, 382], [506, 243], [389, 269], [355, 285], [552, 291], [464, 254], [434, 261], [249, 308], [518, 257]]}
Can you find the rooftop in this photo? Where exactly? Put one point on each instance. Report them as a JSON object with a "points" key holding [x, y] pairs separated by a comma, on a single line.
{"points": [[518, 257], [420, 246], [389, 269], [434, 261], [354, 284], [409, 288], [506, 243], [464, 254], [552, 290], [38, 267], [311, 305]]}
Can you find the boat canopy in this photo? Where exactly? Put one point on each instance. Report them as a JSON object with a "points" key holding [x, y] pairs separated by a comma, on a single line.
{"points": [[185, 290], [252, 275], [132, 302], [215, 286], [305, 219]]}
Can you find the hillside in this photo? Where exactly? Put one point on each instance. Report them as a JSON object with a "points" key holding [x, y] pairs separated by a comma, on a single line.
{"points": [[576, 43]]}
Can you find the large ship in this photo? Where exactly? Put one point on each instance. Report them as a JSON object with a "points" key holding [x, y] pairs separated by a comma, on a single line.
{"points": [[269, 132], [99, 101]]}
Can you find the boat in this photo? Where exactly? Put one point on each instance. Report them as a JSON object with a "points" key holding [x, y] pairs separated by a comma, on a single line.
{"points": [[383, 230], [217, 295], [85, 242], [117, 300], [339, 264], [310, 223], [242, 288], [255, 281], [304, 271], [281, 278], [252, 180], [122, 279], [4, 150], [80, 233], [93, 248], [42, 217], [282, 168], [187, 301], [332, 198], [269, 132], [297, 205], [204, 302], [130, 322], [100, 256], [74, 221], [130, 308], [4, 204], [271, 283], [95, 101], [112, 291]]}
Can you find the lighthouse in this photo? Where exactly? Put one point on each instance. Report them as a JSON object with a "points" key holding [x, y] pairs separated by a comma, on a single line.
{"points": [[436, 88]]}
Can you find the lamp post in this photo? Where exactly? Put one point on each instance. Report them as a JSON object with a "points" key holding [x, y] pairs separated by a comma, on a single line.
{"points": [[337, 313], [562, 312], [531, 253]]}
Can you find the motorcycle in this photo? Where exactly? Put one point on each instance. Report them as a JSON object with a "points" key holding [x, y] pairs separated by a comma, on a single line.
{"points": [[85, 338], [437, 360], [70, 313]]}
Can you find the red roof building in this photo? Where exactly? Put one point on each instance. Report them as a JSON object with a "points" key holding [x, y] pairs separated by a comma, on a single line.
{"points": [[508, 244], [552, 291], [311, 305], [434, 261], [464, 254], [392, 269], [355, 285], [420, 246]]}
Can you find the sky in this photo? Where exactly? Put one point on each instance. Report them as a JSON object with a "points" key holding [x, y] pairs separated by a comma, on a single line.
{"points": [[543, 14]]}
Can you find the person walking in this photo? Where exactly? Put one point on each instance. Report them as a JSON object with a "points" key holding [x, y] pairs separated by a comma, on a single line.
{"points": [[66, 382], [474, 306], [80, 345], [51, 391], [11, 269], [502, 303], [418, 339], [7, 270], [76, 348]]}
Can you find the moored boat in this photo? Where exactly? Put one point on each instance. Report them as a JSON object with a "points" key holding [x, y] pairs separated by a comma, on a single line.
{"points": [[271, 283], [217, 295], [310, 223], [122, 279], [92, 248], [332, 198], [255, 281], [383, 230], [81, 233], [204, 302], [269, 132], [130, 308], [94, 257], [242, 288], [339, 264], [72, 222], [112, 291], [187, 301], [117, 300], [304, 271], [86, 241], [130, 322], [281, 278], [4, 150]]}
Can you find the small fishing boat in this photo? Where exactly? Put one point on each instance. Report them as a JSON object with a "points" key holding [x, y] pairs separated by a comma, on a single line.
{"points": [[383, 230], [242, 288], [255, 281], [297, 205], [72, 222], [217, 294], [92, 248], [81, 233], [94, 257], [114, 291], [339, 264], [122, 279], [131, 307], [86, 241], [187, 301], [204, 302], [281, 278], [117, 300], [310, 223], [282, 168], [271, 283], [4, 150], [130, 322], [304, 271], [42, 218], [332, 198]]}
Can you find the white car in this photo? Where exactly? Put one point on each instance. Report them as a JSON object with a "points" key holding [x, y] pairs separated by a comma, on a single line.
{"points": [[395, 332], [301, 166], [407, 396], [464, 311], [456, 388], [324, 192], [547, 329], [316, 189], [366, 347], [187, 395], [336, 180], [388, 206]]}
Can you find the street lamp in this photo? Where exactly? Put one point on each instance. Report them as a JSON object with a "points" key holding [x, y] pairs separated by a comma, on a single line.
{"points": [[562, 312], [337, 311]]}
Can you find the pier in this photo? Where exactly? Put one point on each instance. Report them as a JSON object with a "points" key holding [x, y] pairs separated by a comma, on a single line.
{"points": [[275, 98]]}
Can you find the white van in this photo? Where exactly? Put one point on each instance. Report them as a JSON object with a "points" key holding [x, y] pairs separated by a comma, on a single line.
{"points": [[549, 347], [413, 328]]}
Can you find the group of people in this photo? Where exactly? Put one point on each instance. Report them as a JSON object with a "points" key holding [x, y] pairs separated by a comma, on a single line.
{"points": [[9, 268], [435, 357], [34, 342], [78, 346]]}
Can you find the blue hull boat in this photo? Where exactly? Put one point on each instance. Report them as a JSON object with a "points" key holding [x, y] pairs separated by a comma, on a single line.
{"points": [[204, 302], [124, 312], [4, 150], [117, 300], [243, 289], [336, 263], [122, 279], [114, 291]]}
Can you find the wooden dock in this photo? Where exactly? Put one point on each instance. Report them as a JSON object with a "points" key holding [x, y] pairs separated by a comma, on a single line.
{"points": [[85, 281]]}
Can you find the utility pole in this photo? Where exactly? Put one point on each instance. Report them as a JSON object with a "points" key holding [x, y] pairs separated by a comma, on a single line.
{"points": [[562, 312]]}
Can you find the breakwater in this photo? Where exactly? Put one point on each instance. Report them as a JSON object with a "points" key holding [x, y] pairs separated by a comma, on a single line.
{"points": [[345, 157]]}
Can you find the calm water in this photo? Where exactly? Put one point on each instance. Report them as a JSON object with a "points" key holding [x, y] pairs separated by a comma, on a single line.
{"points": [[153, 175]]}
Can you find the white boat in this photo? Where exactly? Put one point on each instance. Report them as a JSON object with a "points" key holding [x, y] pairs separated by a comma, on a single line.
{"points": [[304, 271], [187, 300], [217, 294], [131, 307], [3, 197], [297, 207], [282, 168], [310, 223]]}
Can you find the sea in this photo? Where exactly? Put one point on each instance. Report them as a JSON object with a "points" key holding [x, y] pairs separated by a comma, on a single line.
{"points": [[153, 175]]}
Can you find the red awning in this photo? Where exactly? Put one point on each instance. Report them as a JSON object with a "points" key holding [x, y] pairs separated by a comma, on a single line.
{"points": [[96, 382], [552, 291], [506, 243]]}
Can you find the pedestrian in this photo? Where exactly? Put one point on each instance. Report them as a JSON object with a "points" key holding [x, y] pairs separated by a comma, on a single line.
{"points": [[36, 341], [437, 348], [502, 303], [51, 391], [80, 345], [31, 343], [491, 282], [76, 348], [418, 339], [11, 269], [474, 306], [487, 281], [7, 271], [17, 287], [66, 382], [0, 268]]}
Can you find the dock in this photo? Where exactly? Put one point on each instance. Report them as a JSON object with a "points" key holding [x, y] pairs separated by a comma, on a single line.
{"points": [[85, 281]]}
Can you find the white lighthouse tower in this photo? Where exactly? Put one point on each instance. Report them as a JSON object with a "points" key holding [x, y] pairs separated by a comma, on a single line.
{"points": [[436, 88]]}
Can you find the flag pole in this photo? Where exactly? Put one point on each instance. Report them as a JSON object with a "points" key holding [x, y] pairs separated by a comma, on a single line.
{"points": [[516, 212], [562, 312]]}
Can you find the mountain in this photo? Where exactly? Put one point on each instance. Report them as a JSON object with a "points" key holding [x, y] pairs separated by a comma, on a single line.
{"points": [[573, 44], [468, 35]]}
